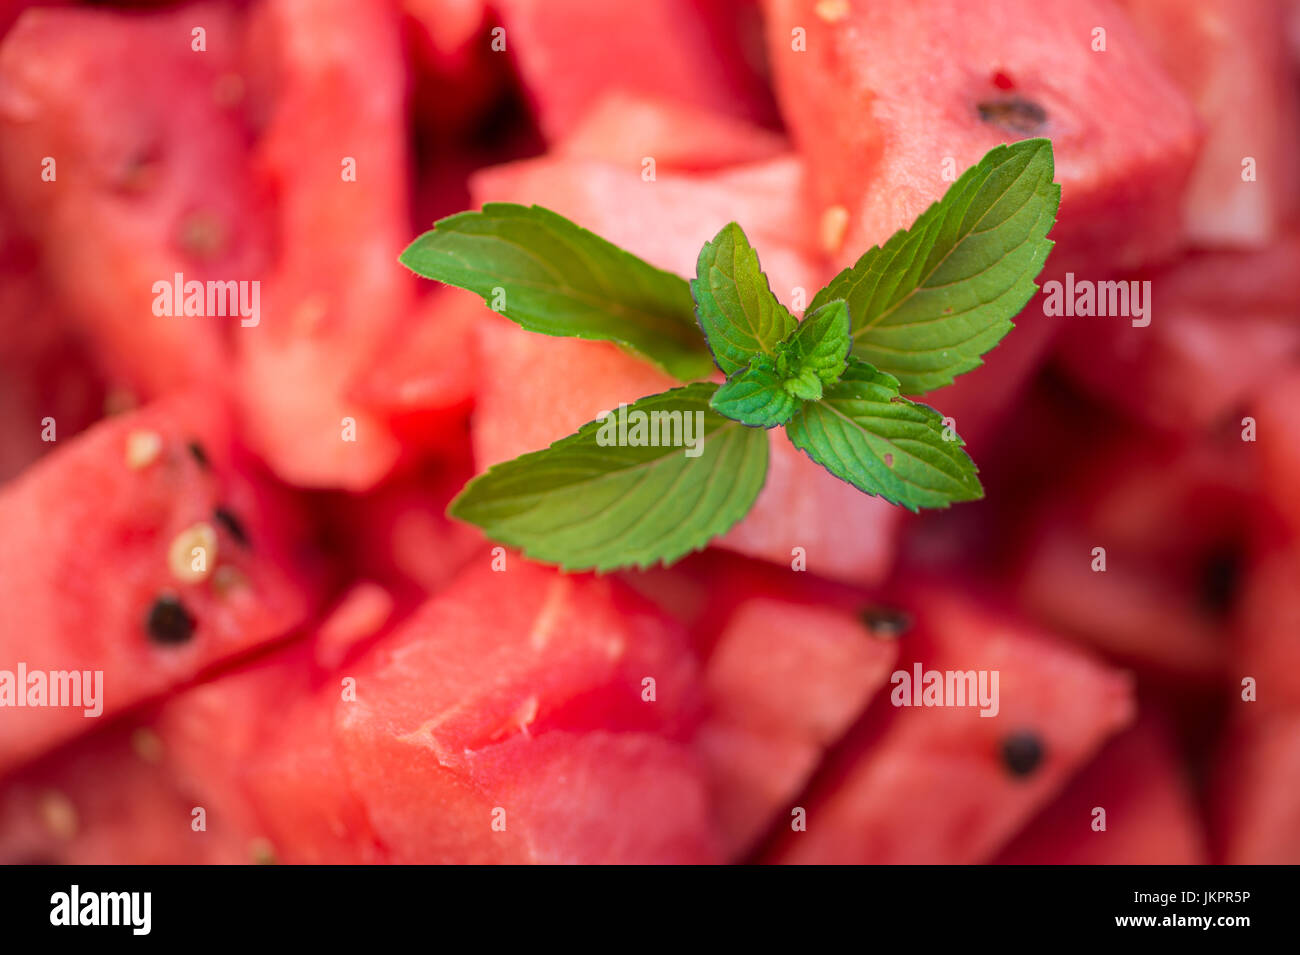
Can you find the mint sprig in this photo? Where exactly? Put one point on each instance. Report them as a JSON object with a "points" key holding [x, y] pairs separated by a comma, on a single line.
{"points": [[652, 481]]}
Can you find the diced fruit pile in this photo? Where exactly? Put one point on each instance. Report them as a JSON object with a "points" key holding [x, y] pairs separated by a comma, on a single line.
{"points": [[232, 527]]}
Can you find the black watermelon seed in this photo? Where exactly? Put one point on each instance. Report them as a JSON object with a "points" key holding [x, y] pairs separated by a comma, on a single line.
{"points": [[1220, 580], [231, 523], [1022, 752], [886, 622], [199, 455], [169, 623], [1015, 114]]}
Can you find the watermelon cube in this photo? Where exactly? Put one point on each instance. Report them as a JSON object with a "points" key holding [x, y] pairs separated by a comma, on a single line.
{"points": [[46, 369], [1151, 817], [555, 798], [888, 101], [500, 693], [521, 650], [421, 385], [334, 294], [695, 51], [1231, 59], [110, 799], [783, 683], [1162, 591], [1223, 324], [257, 746], [149, 180], [141, 552], [922, 784]]}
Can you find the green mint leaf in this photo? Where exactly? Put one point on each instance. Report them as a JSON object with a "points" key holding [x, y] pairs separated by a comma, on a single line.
{"points": [[934, 298], [755, 396], [595, 500], [818, 346], [740, 316], [864, 433], [551, 276]]}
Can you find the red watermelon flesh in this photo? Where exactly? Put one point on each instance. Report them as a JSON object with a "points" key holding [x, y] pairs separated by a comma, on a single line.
{"points": [[522, 650], [335, 294], [568, 52], [1292, 12], [208, 733], [805, 670], [10, 9], [1151, 815], [99, 509], [1130, 612], [703, 591], [1222, 325], [365, 612], [263, 744], [1231, 59], [450, 25], [498, 693], [46, 369], [108, 799], [1278, 440], [625, 129], [1166, 599], [784, 682], [537, 389], [423, 380], [1255, 796], [311, 810], [400, 534], [1266, 640], [151, 179], [258, 744], [562, 797], [887, 91], [925, 785]]}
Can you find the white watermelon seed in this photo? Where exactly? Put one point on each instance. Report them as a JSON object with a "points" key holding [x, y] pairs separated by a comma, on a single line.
{"points": [[832, 11], [835, 222], [142, 448], [193, 553]]}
